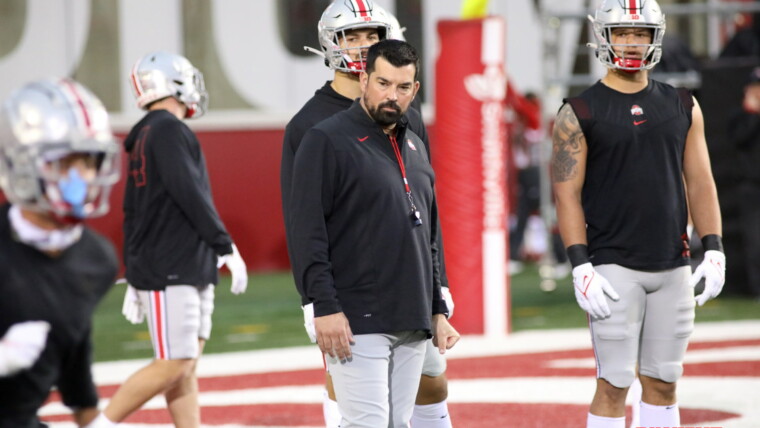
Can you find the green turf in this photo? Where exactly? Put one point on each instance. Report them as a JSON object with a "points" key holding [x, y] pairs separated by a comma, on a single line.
{"points": [[533, 308], [268, 315]]}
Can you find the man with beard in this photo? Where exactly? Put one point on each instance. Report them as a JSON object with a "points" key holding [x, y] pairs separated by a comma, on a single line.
{"points": [[345, 31], [364, 225]]}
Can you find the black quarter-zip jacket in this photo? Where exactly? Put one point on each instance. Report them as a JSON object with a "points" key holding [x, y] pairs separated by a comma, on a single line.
{"points": [[324, 104], [355, 247]]}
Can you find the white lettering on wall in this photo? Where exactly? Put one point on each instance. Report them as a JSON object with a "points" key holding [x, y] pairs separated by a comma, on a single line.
{"points": [[54, 37]]}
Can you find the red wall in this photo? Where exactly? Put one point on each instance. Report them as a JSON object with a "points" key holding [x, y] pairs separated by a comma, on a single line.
{"points": [[244, 167]]}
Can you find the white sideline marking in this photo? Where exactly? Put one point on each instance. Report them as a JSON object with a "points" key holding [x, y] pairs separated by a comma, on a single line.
{"points": [[721, 355], [308, 357]]}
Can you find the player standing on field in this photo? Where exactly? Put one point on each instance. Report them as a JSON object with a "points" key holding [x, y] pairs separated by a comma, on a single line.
{"points": [[173, 239], [345, 31], [629, 154], [58, 162]]}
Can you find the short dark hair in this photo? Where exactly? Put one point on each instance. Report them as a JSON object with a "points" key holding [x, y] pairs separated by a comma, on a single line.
{"points": [[396, 52]]}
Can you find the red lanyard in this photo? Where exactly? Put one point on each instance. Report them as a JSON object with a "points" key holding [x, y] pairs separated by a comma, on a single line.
{"points": [[400, 163], [414, 213]]}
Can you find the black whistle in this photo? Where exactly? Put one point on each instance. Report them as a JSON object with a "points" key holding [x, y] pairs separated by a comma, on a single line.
{"points": [[416, 220]]}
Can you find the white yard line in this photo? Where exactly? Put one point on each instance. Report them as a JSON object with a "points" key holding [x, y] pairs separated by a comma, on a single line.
{"points": [[308, 357]]}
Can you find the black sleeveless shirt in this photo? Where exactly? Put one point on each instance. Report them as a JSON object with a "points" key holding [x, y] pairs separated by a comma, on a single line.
{"points": [[633, 196]]}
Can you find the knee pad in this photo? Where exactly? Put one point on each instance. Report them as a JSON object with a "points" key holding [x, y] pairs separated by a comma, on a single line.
{"points": [[616, 349], [619, 377], [435, 363], [670, 372]]}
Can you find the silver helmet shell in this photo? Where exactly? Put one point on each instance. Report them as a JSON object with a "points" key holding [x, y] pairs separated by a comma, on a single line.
{"points": [[158, 75], [613, 14], [345, 15], [43, 122], [397, 31]]}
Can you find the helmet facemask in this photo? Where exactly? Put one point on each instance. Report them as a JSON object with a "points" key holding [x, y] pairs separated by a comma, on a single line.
{"points": [[613, 14], [77, 193], [336, 23], [351, 59]]}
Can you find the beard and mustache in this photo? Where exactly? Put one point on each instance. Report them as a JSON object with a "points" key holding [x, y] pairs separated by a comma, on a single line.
{"points": [[384, 117]]}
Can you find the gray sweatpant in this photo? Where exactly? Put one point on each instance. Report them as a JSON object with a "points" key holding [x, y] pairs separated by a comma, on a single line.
{"points": [[377, 387]]}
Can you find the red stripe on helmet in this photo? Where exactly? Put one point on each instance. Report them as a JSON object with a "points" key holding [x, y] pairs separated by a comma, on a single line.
{"points": [[633, 7], [135, 84], [362, 8], [79, 102]]}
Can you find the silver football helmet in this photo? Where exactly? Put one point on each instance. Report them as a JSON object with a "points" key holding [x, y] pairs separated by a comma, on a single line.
{"points": [[397, 31], [628, 13], [342, 16], [162, 74], [43, 123]]}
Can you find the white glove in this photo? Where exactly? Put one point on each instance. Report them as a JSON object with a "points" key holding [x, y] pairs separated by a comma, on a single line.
{"points": [[713, 270], [308, 322], [237, 268], [22, 345], [132, 307], [590, 290], [446, 293]]}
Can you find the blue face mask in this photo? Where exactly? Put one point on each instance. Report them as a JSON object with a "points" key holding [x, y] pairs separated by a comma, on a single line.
{"points": [[74, 192]]}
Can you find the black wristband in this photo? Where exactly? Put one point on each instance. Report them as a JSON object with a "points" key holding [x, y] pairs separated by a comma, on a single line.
{"points": [[712, 242], [578, 254]]}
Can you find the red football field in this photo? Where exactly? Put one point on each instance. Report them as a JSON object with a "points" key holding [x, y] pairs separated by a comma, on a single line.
{"points": [[526, 380]]}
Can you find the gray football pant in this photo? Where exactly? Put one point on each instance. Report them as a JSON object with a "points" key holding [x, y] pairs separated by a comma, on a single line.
{"points": [[377, 387], [650, 324]]}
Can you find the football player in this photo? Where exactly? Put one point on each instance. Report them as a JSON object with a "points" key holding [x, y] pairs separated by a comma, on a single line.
{"points": [[58, 162], [629, 163], [173, 237]]}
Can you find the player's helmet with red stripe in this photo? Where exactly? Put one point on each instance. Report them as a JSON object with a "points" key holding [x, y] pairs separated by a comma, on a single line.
{"points": [[162, 74], [342, 16], [46, 121], [613, 14]]}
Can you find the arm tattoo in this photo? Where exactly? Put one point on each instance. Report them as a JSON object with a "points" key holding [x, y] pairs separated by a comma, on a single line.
{"points": [[567, 139]]}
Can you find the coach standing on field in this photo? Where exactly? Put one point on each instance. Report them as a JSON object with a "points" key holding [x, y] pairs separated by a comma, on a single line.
{"points": [[363, 214]]}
